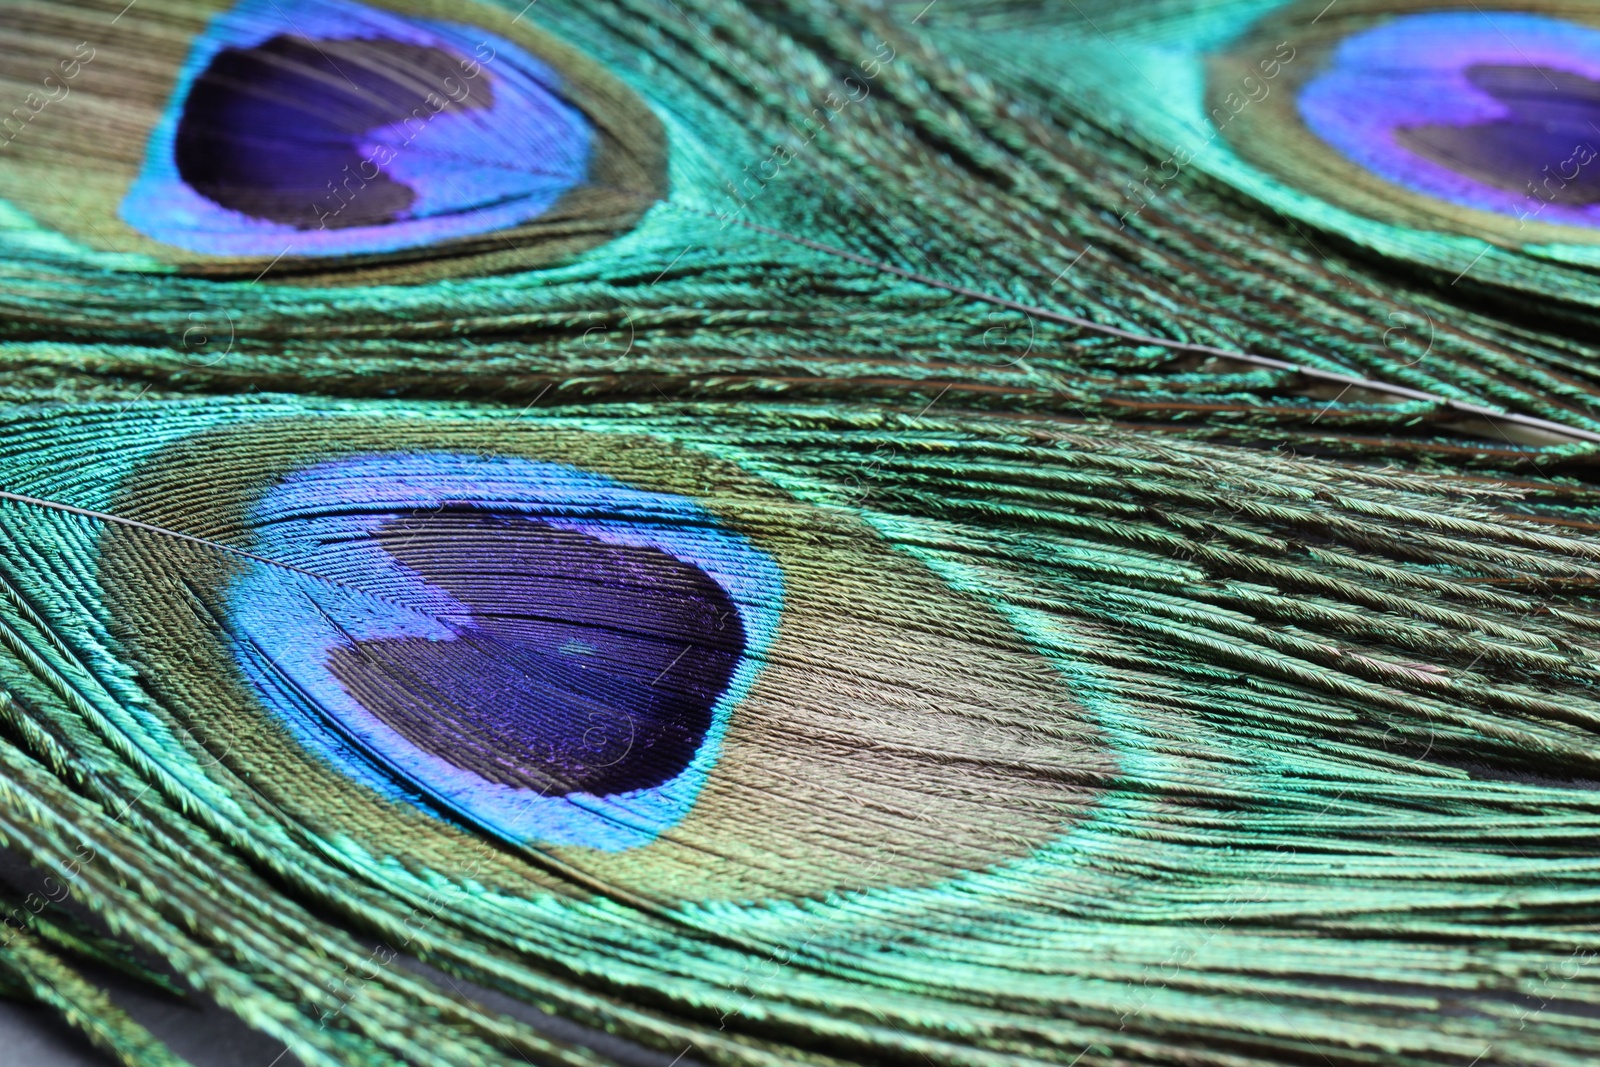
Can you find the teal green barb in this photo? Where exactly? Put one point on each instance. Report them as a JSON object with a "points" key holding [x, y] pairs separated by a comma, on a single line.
{"points": [[972, 534]]}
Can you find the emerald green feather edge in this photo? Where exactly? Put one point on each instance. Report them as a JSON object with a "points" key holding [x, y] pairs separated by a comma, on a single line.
{"points": [[1255, 406], [1276, 826]]}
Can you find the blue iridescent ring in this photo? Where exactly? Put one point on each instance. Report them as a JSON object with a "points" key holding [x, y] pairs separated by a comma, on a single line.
{"points": [[1498, 110]]}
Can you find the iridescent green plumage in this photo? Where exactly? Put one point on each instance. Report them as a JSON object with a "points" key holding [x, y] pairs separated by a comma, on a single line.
{"points": [[1186, 643]]}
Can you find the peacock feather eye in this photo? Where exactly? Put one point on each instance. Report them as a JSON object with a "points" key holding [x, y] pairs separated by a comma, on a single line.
{"points": [[551, 653], [588, 641], [1479, 121], [325, 135], [1490, 110]]}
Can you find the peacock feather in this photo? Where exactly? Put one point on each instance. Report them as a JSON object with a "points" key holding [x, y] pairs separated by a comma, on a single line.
{"points": [[970, 533]]}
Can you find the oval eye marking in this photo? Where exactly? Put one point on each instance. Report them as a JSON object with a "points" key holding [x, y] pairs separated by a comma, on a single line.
{"points": [[1494, 111], [327, 142], [532, 647], [881, 724], [329, 127]]}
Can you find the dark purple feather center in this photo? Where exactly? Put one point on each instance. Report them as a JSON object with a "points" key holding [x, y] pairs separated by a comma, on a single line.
{"points": [[583, 666], [275, 131], [1544, 147]]}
